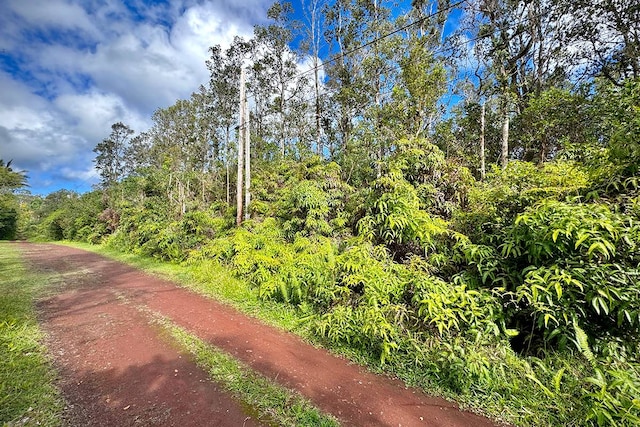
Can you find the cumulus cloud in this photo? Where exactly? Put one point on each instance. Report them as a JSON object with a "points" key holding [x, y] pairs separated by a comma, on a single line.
{"points": [[71, 68], [93, 113], [45, 13], [87, 175]]}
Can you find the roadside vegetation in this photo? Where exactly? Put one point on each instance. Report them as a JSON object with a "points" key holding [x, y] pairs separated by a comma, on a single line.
{"points": [[488, 251], [27, 393], [522, 350], [517, 294]]}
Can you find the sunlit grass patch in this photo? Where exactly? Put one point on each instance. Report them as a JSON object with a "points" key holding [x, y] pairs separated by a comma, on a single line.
{"points": [[271, 403], [27, 393]]}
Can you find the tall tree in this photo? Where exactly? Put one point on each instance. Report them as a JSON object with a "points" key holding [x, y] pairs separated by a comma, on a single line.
{"points": [[421, 83], [344, 34], [361, 73], [275, 81], [241, 146], [523, 50], [137, 154], [224, 74], [604, 37], [313, 24], [504, 43], [110, 153], [178, 150]]}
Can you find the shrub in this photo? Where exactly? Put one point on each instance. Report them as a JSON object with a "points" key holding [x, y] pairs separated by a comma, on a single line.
{"points": [[580, 265]]}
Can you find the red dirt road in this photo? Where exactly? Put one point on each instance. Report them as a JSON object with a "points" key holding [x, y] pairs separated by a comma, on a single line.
{"points": [[116, 370]]}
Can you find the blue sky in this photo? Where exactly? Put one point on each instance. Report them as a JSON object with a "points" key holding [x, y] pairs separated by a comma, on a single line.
{"points": [[71, 68]]}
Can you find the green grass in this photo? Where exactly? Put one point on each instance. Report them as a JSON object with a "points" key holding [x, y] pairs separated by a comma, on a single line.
{"points": [[272, 403], [27, 393]]}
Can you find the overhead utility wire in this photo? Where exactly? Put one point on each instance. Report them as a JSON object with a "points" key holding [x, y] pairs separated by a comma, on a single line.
{"points": [[367, 44], [372, 42], [382, 37], [330, 91]]}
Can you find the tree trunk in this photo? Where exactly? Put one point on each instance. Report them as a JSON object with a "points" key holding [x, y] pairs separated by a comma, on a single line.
{"points": [[226, 161], [183, 198], [379, 72], [282, 116], [504, 151], [247, 162], [312, 14], [240, 152], [543, 151], [317, 93], [483, 170], [380, 153]]}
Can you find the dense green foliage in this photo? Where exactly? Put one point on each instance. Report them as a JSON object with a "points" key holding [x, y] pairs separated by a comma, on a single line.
{"points": [[523, 286], [10, 181], [515, 290]]}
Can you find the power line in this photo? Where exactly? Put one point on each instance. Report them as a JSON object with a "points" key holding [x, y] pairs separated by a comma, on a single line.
{"points": [[372, 42], [382, 37], [421, 20], [396, 67], [434, 52]]}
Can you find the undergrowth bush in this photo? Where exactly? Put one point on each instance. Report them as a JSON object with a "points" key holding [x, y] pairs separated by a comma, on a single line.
{"points": [[289, 272], [148, 232], [494, 203], [579, 264], [517, 294], [520, 318]]}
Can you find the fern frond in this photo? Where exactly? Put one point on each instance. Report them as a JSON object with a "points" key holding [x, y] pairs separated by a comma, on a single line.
{"points": [[582, 341]]}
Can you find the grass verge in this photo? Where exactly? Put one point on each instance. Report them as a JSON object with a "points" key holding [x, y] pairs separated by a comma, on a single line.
{"points": [[272, 403], [27, 393]]}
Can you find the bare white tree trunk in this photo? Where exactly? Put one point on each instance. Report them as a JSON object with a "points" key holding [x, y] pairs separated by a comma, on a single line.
{"points": [[504, 151], [226, 161], [240, 151], [247, 162], [483, 170]]}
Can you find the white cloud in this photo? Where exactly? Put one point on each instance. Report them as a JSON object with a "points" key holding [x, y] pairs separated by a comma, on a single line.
{"points": [[87, 175], [93, 113], [73, 67], [26, 123], [142, 68], [52, 13], [306, 66]]}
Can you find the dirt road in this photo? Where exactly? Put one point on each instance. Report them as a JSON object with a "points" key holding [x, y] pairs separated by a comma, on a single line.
{"points": [[117, 371]]}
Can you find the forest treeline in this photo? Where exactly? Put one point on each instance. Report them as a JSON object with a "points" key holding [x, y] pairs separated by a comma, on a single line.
{"points": [[489, 249]]}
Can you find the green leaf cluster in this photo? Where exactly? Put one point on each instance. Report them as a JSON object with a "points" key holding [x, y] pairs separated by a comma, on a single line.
{"points": [[580, 265]]}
